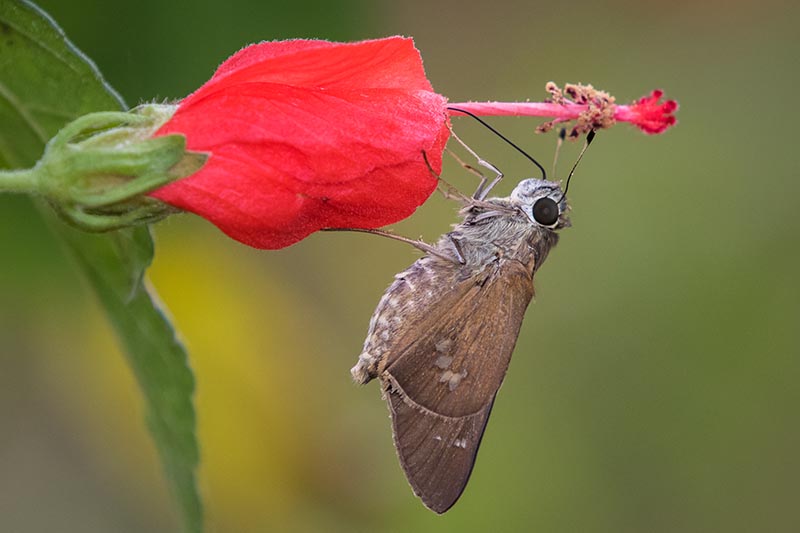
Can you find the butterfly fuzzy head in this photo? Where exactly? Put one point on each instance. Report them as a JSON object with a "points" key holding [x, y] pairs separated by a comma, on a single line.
{"points": [[543, 202]]}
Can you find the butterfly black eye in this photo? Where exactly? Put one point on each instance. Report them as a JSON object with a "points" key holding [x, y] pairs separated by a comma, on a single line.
{"points": [[545, 211]]}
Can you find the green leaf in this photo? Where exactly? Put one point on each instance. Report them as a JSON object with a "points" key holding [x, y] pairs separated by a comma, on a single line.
{"points": [[45, 82], [115, 264]]}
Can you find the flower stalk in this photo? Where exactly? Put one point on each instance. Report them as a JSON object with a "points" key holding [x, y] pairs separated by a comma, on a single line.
{"points": [[18, 181]]}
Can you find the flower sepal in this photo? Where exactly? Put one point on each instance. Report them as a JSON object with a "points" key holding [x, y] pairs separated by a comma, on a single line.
{"points": [[97, 170]]}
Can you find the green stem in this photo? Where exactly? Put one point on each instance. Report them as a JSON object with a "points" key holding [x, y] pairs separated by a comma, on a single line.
{"points": [[20, 181]]}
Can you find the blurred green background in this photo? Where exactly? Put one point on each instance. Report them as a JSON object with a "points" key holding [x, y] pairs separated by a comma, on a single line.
{"points": [[655, 386]]}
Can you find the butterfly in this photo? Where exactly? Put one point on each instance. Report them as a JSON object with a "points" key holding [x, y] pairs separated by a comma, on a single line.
{"points": [[441, 338]]}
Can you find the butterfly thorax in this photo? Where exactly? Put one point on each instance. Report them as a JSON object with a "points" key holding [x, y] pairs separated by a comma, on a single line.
{"points": [[496, 230]]}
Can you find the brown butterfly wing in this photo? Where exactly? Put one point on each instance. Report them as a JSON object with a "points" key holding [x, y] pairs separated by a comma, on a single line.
{"points": [[441, 383], [437, 453]]}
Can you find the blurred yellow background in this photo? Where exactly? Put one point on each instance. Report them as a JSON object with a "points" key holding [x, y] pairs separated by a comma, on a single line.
{"points": [[655, 385]]}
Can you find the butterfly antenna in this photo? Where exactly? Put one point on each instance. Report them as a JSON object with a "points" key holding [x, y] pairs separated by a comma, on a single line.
{"points": [[517, 148], [561, 136], [589, 139]]}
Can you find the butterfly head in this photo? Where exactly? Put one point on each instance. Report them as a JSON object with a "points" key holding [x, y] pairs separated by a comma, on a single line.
{"points": [[543, 202]]}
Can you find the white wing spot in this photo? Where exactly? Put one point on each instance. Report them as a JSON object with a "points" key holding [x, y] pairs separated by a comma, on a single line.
{"points": [[437, 437], [452, 378], [443, 345], [443, 361], [460, 443]]}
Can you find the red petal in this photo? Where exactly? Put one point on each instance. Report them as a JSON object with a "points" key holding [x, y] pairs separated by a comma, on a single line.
{"points": [[307, 134], [386, 63]]}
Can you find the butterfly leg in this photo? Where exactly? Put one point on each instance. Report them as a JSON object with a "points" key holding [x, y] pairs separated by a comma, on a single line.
{"points": [[421, 245], [483, 189], [457, 249], [447, 190]]}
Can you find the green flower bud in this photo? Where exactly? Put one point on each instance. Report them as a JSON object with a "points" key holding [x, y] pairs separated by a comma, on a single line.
{"points": [[97, 170]]}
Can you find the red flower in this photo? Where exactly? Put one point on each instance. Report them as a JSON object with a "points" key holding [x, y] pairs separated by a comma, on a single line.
{"points": [[305, 135]]}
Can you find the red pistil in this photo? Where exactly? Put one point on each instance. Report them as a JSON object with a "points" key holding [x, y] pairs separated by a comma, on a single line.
{"points": [[650, 115], [589, 108]]}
